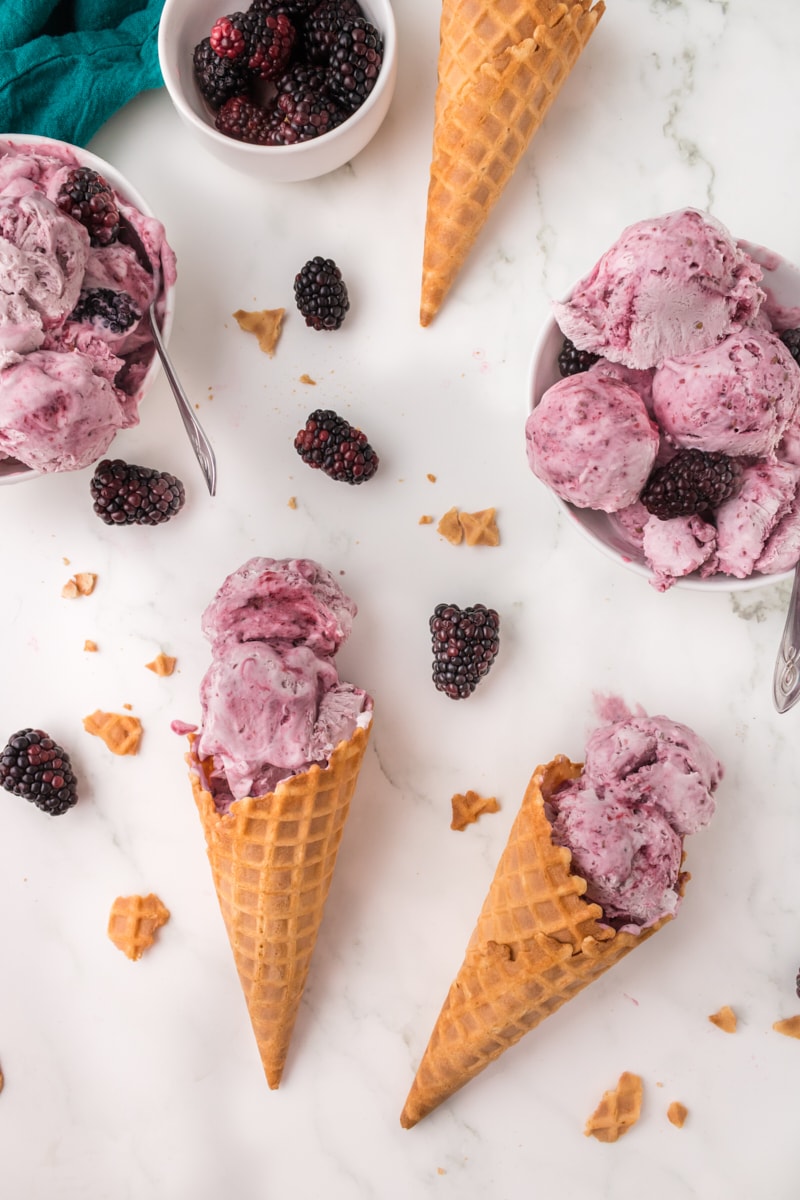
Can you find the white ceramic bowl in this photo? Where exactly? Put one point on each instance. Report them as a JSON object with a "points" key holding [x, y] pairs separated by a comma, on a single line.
{"points": [[184, 23], [782, 283], [12, 471]]}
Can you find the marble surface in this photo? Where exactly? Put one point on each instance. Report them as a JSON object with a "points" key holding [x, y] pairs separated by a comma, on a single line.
{"points": [[126, 1081]]}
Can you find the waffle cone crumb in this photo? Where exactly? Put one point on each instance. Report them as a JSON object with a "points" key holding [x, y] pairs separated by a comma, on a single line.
{"points": [[89, 646], [677, 1114], [450, 527], [480, 528], [162, 664], [81, 584], [789, 1027], [619, 1109], [470, 806], [724, 1019], [134, 921], [266, 325], [121, 733]]}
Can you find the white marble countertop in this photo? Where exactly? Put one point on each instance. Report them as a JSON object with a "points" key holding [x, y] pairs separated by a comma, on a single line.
{"points": [[141, 1081]]}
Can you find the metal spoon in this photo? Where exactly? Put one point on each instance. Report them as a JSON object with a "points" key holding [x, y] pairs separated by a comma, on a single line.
{"points": [[200, 443], [786, 680]]}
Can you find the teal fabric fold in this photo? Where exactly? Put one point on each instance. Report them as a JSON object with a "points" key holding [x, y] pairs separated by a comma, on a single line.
{"points": [[67, 66]]}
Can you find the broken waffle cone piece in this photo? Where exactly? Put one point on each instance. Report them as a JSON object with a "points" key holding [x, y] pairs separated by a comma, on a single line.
{"points": [[272, 859], [501, 65], [537, 943], [677, 1114], [265, 324], [467, 808], [120, 732], [789, 1026], [134, 922], [724, 1019], [480, 528], [618, 1110]]}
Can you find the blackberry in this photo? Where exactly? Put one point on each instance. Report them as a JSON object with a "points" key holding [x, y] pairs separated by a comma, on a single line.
{"points": [[465, 644], [295, 10], [323, 25], [227, 37], [34, 767], [694, 481], [303, 111], [241, 119], [217, 78], [269, 37], [89, 199], [115, 310], [355, 61], [797, 984], [321, 293], [791, 340], [572, 361], [125, 494], [330, 443]]}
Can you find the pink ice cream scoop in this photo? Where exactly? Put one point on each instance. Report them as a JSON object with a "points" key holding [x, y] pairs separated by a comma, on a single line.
{"points": [[272, 701], [746, 521], [676, 547], [736, 397], [669, 286], [591, 440], [647, 783]]}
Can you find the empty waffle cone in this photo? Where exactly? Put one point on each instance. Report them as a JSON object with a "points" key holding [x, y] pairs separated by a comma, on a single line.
{"points": [[272, 858], [537, 944], [501, 65]]}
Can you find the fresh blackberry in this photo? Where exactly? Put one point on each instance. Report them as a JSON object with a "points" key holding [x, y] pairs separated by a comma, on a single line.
{"points": [[694, 481], [241, 119], [797, 984], [227, 38], [321, 293], [125, 494], [330, 443], [323, 25], [791, 340], [355, 61], [115, 310], [465, 644], [572, 361], [303, 110], [89, 199], [218, 78], [34, 767], [269, 37], [295, 10]]}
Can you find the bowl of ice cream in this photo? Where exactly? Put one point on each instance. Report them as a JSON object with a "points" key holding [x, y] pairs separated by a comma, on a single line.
{"points": [[282, 96], [76, 355], [664, 406]]}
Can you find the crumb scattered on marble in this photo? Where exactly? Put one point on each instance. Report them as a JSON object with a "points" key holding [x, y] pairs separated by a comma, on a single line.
{"points": [[292, 502], [450, 527], [81, 584], [426, 520], [619, 1109], [65, 561], [134, 921], [441, 1171], [308, 380], [480, 528], [89, 646], [162, 664], [432, 478], [266, 325], [789, 1027], [122, 734], [677, 1114], [470, 806], [724, 1019]]}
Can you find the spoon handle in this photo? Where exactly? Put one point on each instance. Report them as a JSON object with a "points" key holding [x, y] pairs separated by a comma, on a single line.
{"points": [[786, 680], [200, 443]]}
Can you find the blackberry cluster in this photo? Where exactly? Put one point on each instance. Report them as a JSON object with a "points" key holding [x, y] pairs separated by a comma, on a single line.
{"points": [[694, 481], [333, 445], [89, 199], [321, 293], [115, 310], [465, 644], [125, 494], [305, 65], [34, 767], [572, 361], [791, 340]]}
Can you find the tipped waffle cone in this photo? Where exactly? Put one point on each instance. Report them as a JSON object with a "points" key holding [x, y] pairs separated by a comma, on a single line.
{"points": [[537, 943], [501, 65], [272, 859]]}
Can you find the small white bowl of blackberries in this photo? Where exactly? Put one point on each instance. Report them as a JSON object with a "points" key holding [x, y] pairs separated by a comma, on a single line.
{"points": [[285, 90]]}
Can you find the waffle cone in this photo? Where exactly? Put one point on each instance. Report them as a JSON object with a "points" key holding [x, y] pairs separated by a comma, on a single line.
{"points": [[272, 859], [537, 943], [501, 65]]}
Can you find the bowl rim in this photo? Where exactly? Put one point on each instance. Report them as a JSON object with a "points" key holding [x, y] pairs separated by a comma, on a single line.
{"points": [[175, 88], [132, 196], [768, 260]]}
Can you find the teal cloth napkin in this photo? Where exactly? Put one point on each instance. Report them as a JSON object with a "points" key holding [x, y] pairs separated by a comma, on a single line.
{"points": [[67, 65]]}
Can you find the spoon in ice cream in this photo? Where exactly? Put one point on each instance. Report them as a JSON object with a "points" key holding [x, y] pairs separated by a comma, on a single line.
{"points": [[786, 680], [200, 443]]}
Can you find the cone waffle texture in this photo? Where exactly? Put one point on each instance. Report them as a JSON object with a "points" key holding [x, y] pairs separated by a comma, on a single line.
{"points": [[501, 65], [272, 859], [134, 921], [618, 1110], [537, 943]]}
